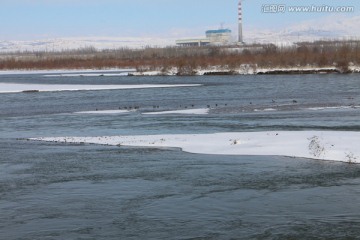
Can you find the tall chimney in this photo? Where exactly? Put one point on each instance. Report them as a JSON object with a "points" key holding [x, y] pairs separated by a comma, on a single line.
{"points": [[240, 40]]}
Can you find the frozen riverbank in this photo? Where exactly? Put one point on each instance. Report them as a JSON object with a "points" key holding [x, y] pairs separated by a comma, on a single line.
{"points": [[245, 69]]}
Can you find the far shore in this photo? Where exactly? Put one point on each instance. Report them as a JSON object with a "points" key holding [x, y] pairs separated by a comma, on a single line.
{"points": [[212, 71], [319, 57]]}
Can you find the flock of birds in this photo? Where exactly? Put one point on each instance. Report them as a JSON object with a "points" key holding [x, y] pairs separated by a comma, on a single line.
{"points": [[186, 106]]}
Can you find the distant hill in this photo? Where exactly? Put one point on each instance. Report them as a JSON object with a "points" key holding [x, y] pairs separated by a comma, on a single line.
{"points": [[99, 43], [328, 28]]}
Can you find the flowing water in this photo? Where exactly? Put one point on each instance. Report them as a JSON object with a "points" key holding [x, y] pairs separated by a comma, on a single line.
{"points": [[61, 191]]}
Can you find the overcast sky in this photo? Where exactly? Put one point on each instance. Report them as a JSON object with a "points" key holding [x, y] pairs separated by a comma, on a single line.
{"points": [[39, 19]]}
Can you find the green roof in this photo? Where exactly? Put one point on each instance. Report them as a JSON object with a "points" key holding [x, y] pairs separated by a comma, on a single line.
{"points": [[219, 31]]}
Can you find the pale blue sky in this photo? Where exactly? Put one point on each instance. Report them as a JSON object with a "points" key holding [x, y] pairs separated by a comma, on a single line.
{"points": [[37, 19]]}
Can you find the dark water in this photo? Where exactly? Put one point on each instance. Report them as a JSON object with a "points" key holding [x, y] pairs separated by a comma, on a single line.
{"points": [[57, 191]]}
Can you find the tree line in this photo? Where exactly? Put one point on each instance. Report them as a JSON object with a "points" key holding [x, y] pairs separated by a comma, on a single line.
{"points": [[339, 54]]}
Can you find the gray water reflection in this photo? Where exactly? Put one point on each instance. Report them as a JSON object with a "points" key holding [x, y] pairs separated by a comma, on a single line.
{"points": [[71, 192]]}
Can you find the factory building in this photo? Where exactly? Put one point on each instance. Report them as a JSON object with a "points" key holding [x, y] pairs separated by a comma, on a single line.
{"points": [[218, 37], [213, 37], [195, 42]]}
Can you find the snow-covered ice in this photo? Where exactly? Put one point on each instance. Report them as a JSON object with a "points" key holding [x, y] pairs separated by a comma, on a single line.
{"points": [[17, 87], [322, 145], [200, 111]]}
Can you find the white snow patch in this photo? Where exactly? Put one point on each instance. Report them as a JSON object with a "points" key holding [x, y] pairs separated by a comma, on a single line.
{"points": [[148, 73], [355, 68], [265, 70], [17, 87], [200, 111], [331, 108], [322, 145]]}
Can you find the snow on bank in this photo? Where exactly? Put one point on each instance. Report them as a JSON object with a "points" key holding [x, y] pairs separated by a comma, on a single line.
{"points": [[297, 69], [200, 111], [17, 87], [322, 145], [355, 69], [244, 69]]}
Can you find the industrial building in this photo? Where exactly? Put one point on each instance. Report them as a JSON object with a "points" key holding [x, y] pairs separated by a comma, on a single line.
{"points": [[213, 37], [218, 37], [196, 42]]}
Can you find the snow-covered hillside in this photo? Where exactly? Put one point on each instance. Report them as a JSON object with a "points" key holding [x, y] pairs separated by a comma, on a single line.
{"points": [[61, 44], [328, 28]]}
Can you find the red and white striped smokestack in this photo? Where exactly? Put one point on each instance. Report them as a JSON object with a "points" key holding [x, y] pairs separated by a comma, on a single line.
{"points": [[240, 39]]}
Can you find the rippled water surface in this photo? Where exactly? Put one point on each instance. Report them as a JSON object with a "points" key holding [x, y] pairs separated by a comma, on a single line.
{"points": [[59, 191]]}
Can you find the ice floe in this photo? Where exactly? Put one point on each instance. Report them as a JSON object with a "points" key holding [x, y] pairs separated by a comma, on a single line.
{"points": [[18, 87], [322, 145], [200, 111]]}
